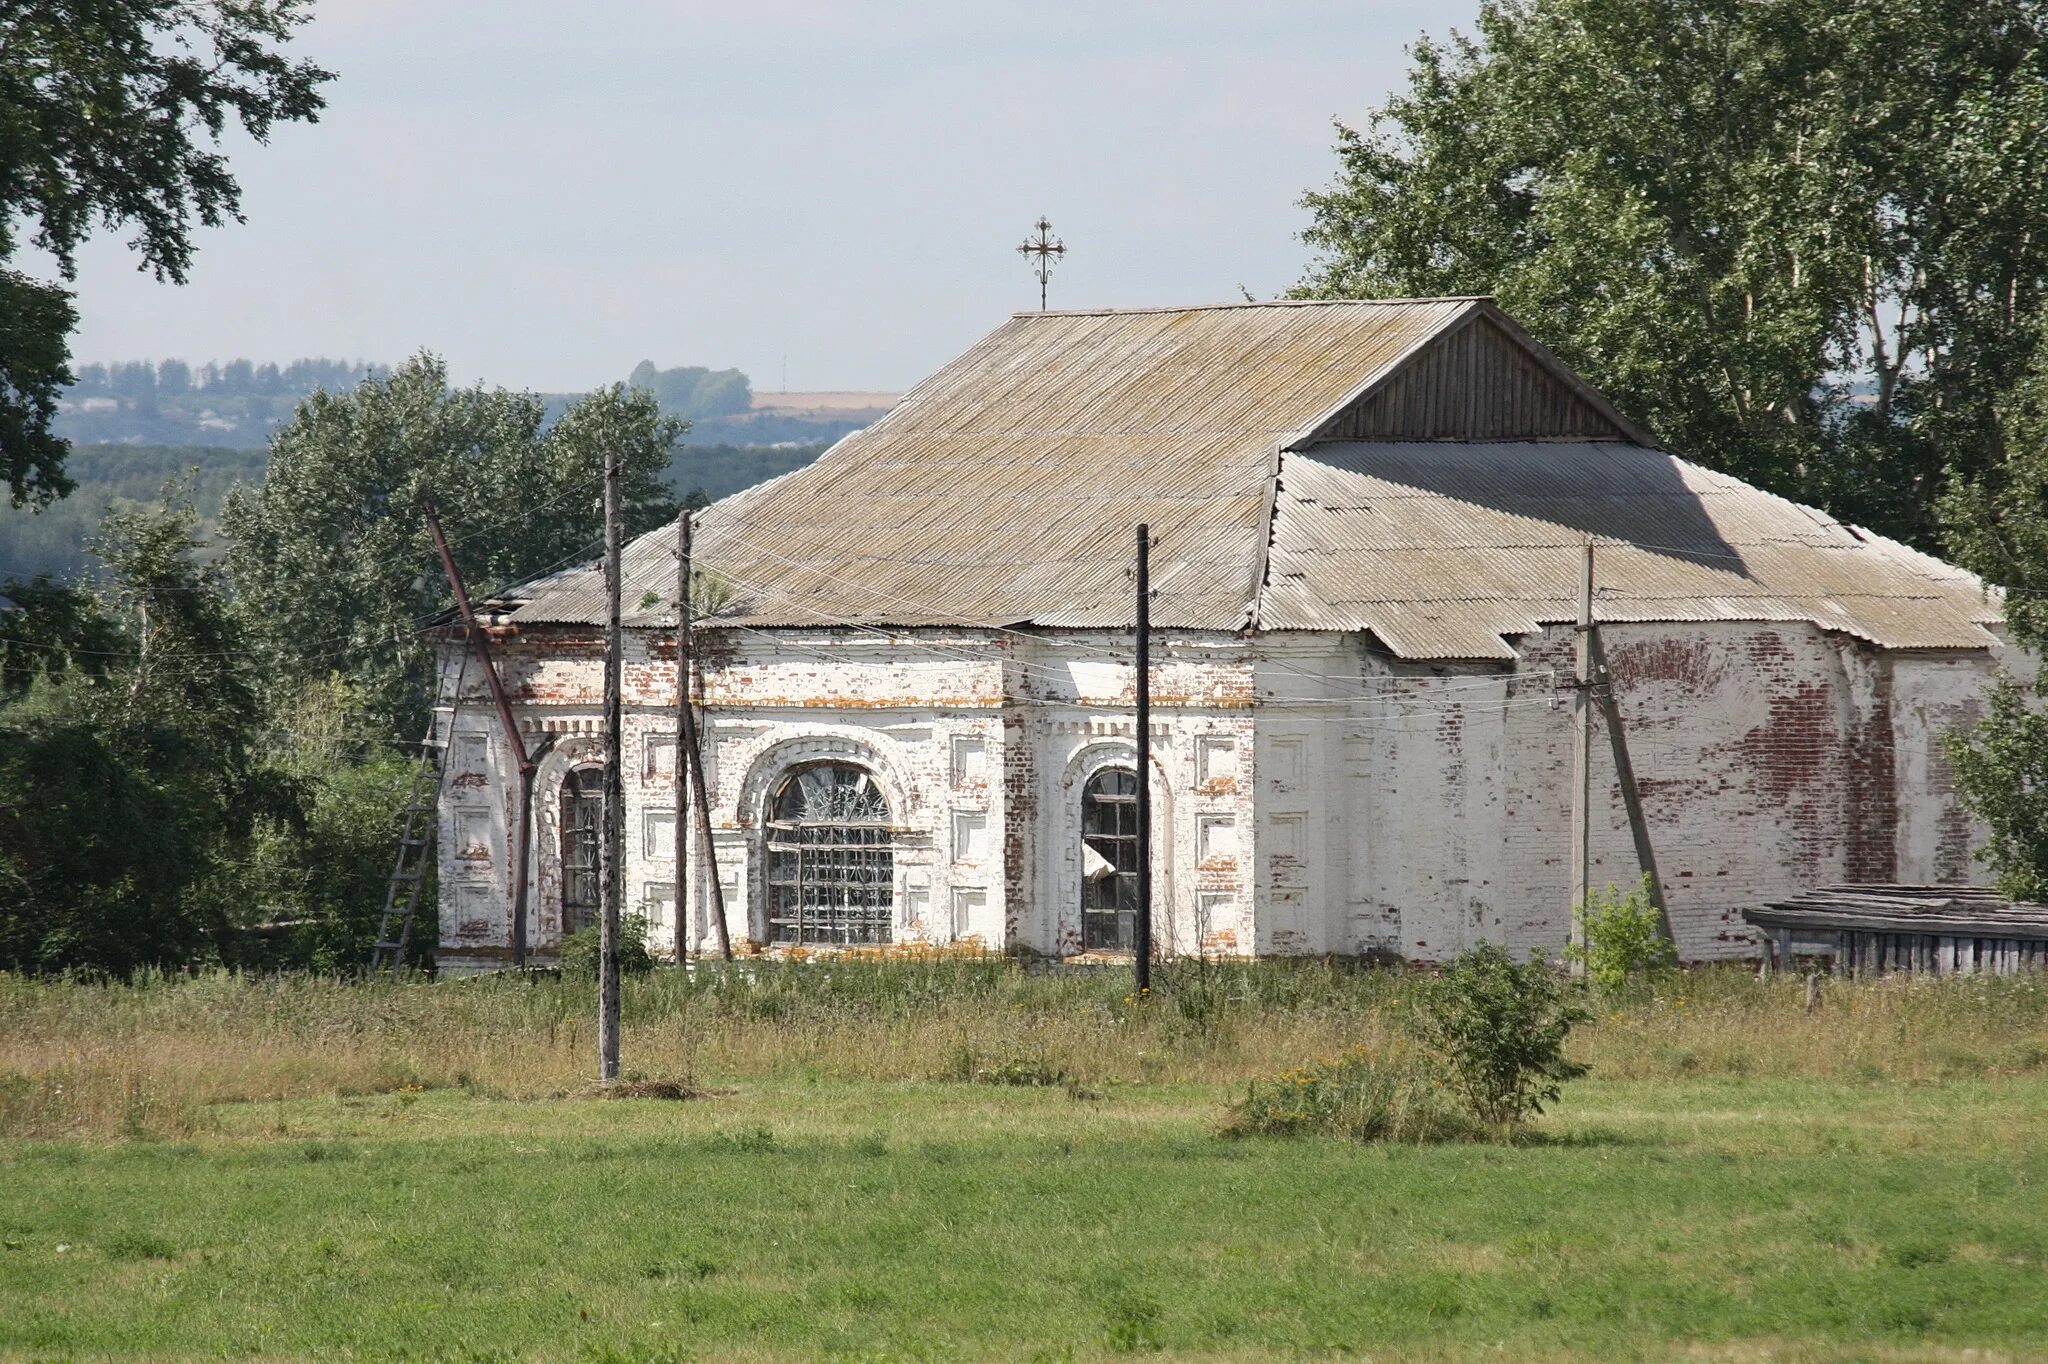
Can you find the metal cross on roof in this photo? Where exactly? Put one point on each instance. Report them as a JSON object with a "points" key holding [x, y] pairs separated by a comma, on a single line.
{"points": [[1048, 249]]}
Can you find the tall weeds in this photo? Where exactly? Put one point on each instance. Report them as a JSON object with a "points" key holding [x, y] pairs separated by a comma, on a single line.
{"points": [[150, 1056]]}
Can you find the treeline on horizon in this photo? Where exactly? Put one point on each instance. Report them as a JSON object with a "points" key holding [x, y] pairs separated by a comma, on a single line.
{"points": [[142, 380], [240, 403], [684, 391]]}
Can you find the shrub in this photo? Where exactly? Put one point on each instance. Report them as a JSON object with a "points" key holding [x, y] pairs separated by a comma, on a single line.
{"points": [[579, 949], [1623, 938], [1499, 1031], [1353, 1095]]}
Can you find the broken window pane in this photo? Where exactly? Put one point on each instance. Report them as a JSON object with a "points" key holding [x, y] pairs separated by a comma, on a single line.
{"points": [[1109, 861], [831, 867]]}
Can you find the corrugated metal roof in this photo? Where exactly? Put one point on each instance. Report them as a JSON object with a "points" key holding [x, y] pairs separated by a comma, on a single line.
{"points": [[1441, 547], [1003, 490], [1005, 487]]}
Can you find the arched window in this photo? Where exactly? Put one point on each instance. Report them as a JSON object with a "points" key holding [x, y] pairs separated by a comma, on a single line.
{"points": [[582, 824], [831, 874], [1109, 861]]}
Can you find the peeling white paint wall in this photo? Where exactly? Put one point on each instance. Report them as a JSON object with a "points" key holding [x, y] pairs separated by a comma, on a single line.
{"points": [[1310, 795]]}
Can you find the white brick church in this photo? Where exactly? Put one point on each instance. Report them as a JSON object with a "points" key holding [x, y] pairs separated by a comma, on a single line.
{"points": [[1367, 520]]}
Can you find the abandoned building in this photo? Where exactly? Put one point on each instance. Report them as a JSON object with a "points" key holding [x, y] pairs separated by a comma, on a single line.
{"points": [[1367, 520]]}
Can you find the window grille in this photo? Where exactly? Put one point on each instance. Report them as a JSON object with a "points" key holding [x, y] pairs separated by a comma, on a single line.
{"points": [[582, 826], [1109, 872], [831, 865]]}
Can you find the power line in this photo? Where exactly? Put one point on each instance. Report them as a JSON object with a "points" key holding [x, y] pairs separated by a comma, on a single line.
{"points": [[1055, 672], [1359, 724]]}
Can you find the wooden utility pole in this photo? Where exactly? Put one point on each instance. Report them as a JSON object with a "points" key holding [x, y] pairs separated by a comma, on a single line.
{"points": [[703, 802], [1593, 689], [522, 843], [1582, 758], [683, 829], [1143, 947], [1625, 772], [610, 864], [689, 751]]}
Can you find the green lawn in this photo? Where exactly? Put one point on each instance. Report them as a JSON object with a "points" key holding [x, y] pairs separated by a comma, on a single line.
{"points": [[1715, 1218]]}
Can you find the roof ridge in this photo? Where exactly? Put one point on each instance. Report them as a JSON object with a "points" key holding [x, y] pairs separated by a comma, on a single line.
{"points": [[1253, 303], [1269, 520]]}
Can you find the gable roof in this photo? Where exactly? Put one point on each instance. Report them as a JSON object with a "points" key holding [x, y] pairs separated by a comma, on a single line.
{"points": [[1004, 489]]}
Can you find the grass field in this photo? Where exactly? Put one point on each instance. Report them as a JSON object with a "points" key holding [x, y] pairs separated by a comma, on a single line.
{"points": [[279, 1169]]}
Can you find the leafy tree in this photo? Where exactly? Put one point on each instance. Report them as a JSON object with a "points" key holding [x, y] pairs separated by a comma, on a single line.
{"points": [[694, 391], [132, 379], [111, 115], [125, 794], [331, 558], [1801, 241], [1998, 519], [54, 630], [313, 878], [1998, 527], [1499, 1029], [35, 319], [189, 669], [2001, 773], [95, 855]]}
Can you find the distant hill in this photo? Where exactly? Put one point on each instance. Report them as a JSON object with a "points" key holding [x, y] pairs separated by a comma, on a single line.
{"points": [[793, 418], [826, 403], [239, 404], [56, 540]]}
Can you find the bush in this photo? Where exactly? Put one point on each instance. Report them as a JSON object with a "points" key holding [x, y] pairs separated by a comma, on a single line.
{"points": [[1623, 938], [1354, 1096], [1499, 1031], [579, 949]]}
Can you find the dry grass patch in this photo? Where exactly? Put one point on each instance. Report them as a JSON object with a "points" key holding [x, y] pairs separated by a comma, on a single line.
{"points": [[153, 1058]]}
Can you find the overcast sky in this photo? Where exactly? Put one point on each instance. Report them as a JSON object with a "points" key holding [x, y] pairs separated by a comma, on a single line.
{"points": [[548, 193]]}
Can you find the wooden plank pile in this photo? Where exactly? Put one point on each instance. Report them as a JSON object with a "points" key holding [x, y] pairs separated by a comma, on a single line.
{"points": [[1924, 930]]}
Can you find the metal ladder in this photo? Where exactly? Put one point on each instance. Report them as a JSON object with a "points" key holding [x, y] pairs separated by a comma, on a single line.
{"points": [[416, 829]]}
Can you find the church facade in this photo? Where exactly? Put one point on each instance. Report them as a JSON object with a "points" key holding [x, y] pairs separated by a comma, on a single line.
{"points": [[915, 674]]}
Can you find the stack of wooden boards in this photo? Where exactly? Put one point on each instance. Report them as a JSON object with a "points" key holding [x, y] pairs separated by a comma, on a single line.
{"points": [[1927, 930]]}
